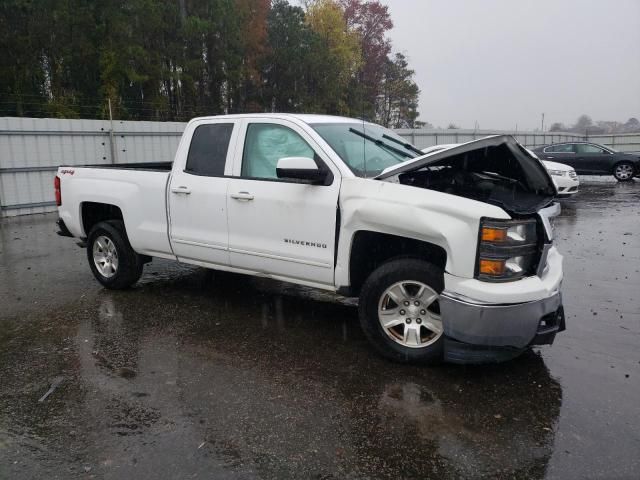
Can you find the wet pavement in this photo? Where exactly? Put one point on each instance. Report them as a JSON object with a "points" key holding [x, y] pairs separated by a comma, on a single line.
{"points": [[194, 374]]}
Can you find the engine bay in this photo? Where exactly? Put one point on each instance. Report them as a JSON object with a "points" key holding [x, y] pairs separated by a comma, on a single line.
{"points": [[504, 175]]}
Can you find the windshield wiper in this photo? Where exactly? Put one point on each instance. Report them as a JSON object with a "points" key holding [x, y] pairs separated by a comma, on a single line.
{"points": [[408, 146], [380, 143]]}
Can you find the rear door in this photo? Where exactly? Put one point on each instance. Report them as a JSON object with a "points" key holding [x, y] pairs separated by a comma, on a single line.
{"points": [[561, 153], [592, 158], [198, 193], [278, 226]]}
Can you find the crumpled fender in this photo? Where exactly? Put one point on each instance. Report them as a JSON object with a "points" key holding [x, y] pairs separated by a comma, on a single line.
{"points": [[448, 221]]}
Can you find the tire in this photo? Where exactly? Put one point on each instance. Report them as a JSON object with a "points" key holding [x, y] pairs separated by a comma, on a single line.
{"points": [[624, 171], [122, 266], [421, 343]]}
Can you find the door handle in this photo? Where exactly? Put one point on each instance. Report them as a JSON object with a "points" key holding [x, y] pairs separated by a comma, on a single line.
{"points": [[181, 189], [246, 196]]}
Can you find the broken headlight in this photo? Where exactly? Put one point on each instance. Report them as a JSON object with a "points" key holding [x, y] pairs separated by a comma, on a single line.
{"points": [[507, 249]]}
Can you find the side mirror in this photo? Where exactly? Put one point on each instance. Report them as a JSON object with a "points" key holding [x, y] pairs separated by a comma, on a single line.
{"points": [[300, 168]]}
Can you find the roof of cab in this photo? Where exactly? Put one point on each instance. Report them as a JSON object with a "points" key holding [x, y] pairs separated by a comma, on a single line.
{"points": [[304, 117]]}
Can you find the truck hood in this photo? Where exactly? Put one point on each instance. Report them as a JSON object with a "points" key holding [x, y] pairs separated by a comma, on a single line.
{"points": [[495, 170]]}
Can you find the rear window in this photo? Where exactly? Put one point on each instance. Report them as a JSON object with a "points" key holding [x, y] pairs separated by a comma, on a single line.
{"points": [[208, 149]]}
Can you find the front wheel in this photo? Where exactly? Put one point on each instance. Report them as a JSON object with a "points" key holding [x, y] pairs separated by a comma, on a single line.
{"points": [[400, 313], [112, 260], [623, 172]]}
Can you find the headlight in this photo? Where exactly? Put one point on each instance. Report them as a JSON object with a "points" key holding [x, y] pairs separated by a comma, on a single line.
{"points": [[557, 173], [507, 250]]}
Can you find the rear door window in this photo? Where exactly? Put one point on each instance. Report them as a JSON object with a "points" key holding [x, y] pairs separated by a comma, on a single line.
{"points": [[208, 150], [564, 148], [587, 148]]}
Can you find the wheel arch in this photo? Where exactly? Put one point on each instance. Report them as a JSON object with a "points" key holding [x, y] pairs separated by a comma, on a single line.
{"points": [[370, 249], [92, 213]]}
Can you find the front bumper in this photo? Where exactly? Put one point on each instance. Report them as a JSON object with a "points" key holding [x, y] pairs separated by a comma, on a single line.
{"points": [[478, 333], [489, 322], [567, 192], [566, 185]]}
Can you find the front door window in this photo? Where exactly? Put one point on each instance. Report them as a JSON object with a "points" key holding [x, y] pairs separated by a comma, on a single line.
{"points": [[265, 144]]}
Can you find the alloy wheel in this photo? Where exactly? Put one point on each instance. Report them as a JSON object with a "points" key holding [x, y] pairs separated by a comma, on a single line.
{"points": [[409, 314]]}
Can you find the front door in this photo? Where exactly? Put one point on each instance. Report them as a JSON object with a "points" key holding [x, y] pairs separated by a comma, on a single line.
{"points": [[277, 226], [198, 195]]}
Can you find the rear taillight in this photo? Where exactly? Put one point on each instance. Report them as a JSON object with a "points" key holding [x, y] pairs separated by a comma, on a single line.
{"points": [[56, 186]]}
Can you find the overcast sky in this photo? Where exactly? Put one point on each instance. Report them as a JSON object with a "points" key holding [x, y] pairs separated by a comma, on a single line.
{"points": [[504, 62]]}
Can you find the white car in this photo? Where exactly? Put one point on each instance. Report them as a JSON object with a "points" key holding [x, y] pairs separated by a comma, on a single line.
{"points": [[564, 177], [453, 261]]}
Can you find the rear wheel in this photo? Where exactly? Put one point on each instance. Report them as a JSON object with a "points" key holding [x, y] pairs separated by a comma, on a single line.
{"points": [[623, 172], [111, 259], [400, 313]]}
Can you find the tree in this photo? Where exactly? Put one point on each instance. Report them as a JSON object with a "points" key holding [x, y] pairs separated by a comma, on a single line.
{"points": [[632, 125], [583, 123], [253, 45], [397, 105], [336, 55], [371, 20], [286, 68], [557, 127], [176, 59]]}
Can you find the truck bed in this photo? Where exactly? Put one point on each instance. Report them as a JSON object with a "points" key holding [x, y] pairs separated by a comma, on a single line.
{"points": [[146, 166], [138, 190]]}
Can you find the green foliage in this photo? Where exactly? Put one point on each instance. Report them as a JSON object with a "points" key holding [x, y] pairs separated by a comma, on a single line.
{"points": [[176, 59], [398, 102]]}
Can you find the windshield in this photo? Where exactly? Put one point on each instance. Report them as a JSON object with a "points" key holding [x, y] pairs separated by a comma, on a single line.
{"points": [[366, 148]]}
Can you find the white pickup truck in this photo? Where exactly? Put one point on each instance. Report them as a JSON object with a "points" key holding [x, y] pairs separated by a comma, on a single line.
{"points": [[450, 254]]}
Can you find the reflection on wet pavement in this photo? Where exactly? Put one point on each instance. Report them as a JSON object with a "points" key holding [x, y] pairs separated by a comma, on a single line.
{"points": [[212, 375]]}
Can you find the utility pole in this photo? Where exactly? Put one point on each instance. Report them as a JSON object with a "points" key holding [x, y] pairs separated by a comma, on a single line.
{"points": [[542, 123], [112, 141]]}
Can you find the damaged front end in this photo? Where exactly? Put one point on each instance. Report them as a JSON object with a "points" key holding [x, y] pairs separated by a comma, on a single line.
{"points": [[516, 252], [495, 170]]}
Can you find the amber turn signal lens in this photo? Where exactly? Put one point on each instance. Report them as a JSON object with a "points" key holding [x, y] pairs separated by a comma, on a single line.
{"points": [[494, 234], [492, 267]]}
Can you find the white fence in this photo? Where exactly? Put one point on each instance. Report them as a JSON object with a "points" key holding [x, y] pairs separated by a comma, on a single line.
{"points": [[627, 142], [31, 150]]}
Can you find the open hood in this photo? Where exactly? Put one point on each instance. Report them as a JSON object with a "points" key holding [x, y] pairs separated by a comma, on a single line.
{"points": [[496, 170]]}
